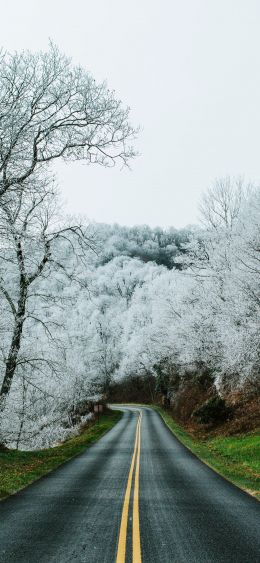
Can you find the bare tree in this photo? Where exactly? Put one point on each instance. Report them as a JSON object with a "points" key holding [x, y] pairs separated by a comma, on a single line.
{"points": [[50, 109], [220, 205]]}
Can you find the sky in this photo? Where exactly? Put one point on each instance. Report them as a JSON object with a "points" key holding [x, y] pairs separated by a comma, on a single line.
{"points": [[189, 70]]}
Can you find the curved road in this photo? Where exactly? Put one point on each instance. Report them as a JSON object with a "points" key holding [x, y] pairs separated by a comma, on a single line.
{"points": [[136, 495]]}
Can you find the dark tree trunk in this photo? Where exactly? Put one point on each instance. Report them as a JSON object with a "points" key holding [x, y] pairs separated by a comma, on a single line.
{"points": [[11, 362]]}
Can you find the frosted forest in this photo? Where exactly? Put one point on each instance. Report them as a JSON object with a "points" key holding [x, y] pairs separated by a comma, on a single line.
{"points": [[86, 305]]}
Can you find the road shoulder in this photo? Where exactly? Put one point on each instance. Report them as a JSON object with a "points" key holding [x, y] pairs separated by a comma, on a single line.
{"points": [[234, 458], [19, 469]]}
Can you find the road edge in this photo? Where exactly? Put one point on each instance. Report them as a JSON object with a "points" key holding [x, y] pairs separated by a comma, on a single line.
{"points": [[247, 492], [67, 460]]}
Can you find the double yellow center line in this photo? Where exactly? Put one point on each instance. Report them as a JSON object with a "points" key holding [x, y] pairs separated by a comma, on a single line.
{"points": [[135, 464]]}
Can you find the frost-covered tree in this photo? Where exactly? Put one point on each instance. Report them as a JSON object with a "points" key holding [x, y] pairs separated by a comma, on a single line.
{"points": [[38, 252], [223, 258], [206, 316], [50, 109]]}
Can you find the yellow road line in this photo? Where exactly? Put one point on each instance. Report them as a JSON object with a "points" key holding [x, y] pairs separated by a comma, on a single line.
{"points": [[137, 558], [121, 550]]}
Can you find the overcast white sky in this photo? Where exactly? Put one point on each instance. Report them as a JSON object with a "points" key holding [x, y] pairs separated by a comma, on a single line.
{"points": [[190, 71]]}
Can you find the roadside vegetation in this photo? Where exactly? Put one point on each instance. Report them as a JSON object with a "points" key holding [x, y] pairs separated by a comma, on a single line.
{"points": [[20, 468], [235, 457]]}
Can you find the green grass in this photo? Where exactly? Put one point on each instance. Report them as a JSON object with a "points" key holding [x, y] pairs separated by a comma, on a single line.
{"points": [[18, 469], [237, 458]]}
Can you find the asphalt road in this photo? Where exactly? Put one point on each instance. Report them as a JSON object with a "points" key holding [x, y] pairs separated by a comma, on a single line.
{"points": [[138, 495]]}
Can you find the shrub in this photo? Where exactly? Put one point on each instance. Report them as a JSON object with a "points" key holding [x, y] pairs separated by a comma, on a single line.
{"points": [[215, 410]]}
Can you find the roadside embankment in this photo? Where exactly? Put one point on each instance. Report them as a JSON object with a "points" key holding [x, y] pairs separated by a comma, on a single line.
{"points": [[237, 458], [20, 468]]}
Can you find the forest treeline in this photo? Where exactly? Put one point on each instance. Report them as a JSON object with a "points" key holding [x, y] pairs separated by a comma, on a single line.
{"points": [[188, 334], [88, 310]]}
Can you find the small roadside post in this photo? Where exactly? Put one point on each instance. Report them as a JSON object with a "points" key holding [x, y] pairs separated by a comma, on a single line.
{"points": [[98, 409]]}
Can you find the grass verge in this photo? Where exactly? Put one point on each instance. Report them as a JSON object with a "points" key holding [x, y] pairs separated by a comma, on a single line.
{"points": [[235, 457], [18, 469]]}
